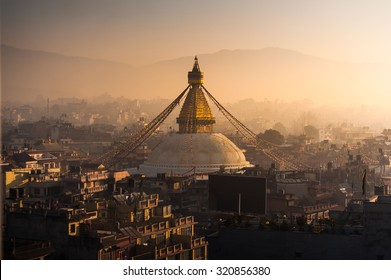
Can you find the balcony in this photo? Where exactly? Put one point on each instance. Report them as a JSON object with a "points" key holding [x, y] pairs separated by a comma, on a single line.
{"points": [[90, 190], [317, 208], [198, 242], [184, 221], [140, 229], [148, 203], [163, 225], [53, 170], [153, 228], [96, 177], [93, 177], [169, 250], [148, 229]]}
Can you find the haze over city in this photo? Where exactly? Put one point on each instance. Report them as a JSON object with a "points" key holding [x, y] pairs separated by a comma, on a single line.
{"points": [[333, 52], [139, 33]]}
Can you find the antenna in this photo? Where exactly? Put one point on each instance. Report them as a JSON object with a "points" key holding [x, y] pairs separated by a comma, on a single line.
{"points": [[240, 203], [47, 107], [364, 178]]}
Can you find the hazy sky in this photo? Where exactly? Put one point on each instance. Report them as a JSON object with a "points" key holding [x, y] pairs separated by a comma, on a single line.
{"points": [[142, 32]]}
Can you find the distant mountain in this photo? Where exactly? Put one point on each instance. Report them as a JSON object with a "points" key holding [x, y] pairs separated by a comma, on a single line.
{"points": [[269, 73], [27, 74]]}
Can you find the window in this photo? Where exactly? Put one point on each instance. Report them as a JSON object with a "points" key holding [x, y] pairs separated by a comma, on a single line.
{"points": [[72, 228], [145, 239], [166, 210], [160, 238], [186, 231], [139, 216]]}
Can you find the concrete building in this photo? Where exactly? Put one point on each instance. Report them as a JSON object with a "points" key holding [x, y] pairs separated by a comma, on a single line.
{"points": [[135, 226], [325, 134], [86, 181], [26, 225], [377, 222], [157, 232]]}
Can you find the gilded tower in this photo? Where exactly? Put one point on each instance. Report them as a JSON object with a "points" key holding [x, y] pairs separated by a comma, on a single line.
{"points": [[195, 148], [195, 115]]}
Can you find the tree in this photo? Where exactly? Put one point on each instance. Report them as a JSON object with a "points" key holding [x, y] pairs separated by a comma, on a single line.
{"points": [[271, 135], [311, 131], [280, 128]]}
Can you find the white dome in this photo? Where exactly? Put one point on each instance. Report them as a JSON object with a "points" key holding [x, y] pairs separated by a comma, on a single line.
{"points": [[182, 152]]}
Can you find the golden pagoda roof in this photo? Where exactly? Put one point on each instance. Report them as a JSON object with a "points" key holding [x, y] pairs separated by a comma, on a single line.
{"points": [[196, 115]]}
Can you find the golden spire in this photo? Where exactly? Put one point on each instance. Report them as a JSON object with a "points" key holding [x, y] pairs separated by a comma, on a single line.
{"points": [[196, 67], [195, 115], [195, 76]]}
